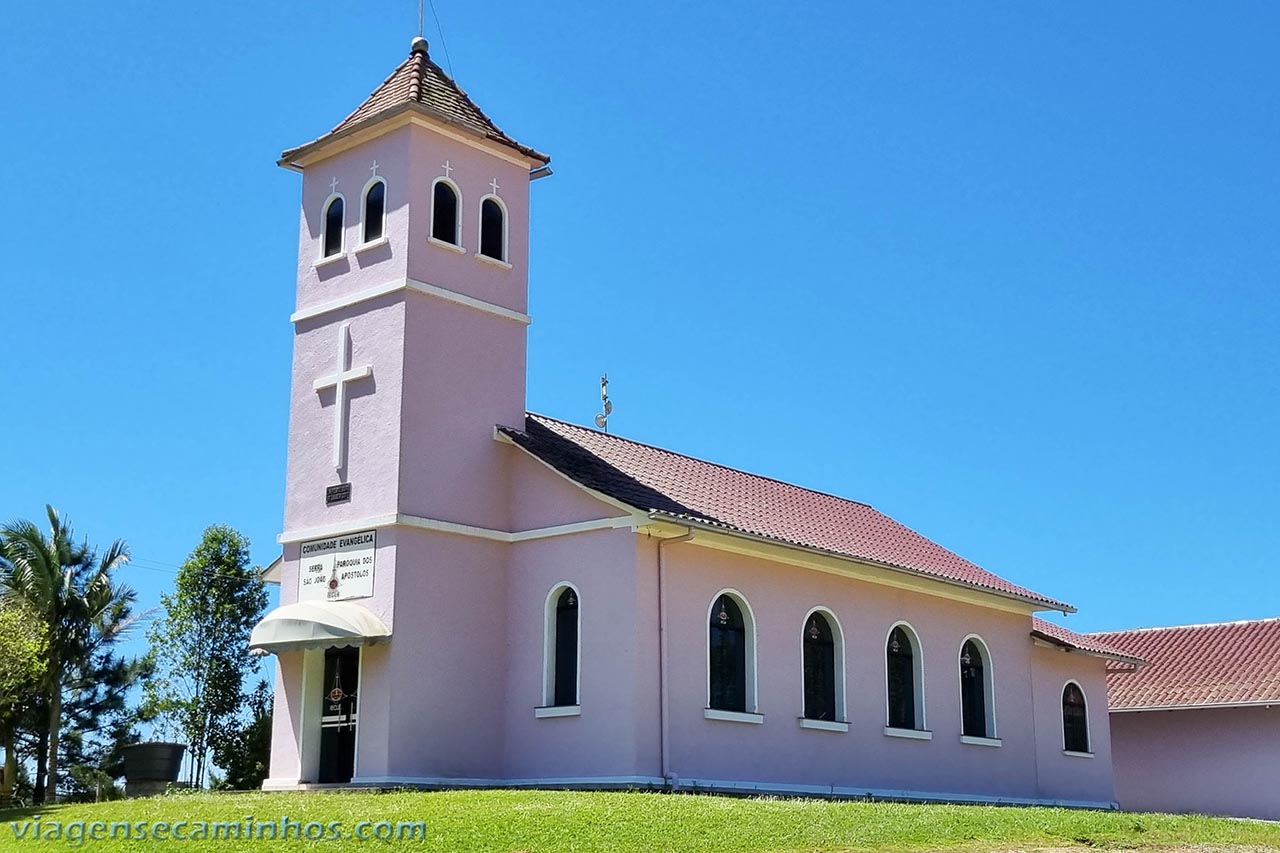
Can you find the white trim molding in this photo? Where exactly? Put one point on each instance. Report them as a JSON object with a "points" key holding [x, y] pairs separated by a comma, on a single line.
{"points": [[824, 725], [909, 734], [505, 259], [981, 741], [550, 640], [457, 214], [321, 257], [988, 686], [548, 711], [733, 716], [751, 696], [917, 674], [1071, 753], [1062, 719], [409, 284], [452, 247], [402, 520], [365, 242], [837, 635], [372, 244]]}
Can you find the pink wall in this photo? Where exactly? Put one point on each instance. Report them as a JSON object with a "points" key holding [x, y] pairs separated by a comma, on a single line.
{"points": [[1070, 777], [1223, 761]]}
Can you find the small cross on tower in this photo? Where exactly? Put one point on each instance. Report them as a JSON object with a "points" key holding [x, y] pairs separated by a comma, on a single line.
{"points": [[494, 184], [338, 382], [447, 168], [333, 185], [374, 168]]}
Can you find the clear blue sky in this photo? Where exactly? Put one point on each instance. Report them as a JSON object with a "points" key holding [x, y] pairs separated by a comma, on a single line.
{"points": [[1006, 271]]}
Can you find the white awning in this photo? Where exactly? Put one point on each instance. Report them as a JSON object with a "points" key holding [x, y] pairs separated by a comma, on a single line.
{"points": [[317, 625]]}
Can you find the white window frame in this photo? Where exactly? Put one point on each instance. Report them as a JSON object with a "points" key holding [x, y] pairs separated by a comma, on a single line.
{"points": [[506, 227], [1062, 720], [321, 257], [917, 666], [749, 627], [365, 242], [837, 634], [988, 688], [457, 219], [549, 650]]}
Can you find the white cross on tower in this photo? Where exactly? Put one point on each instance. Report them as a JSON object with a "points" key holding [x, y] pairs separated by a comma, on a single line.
{"points": [[447, 168], [374, 168], [494, 184], [333, 185], [338, 382]]}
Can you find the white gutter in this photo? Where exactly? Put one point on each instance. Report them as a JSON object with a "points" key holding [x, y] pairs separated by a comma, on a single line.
{"points": [[664, 738], [1208, 706]]}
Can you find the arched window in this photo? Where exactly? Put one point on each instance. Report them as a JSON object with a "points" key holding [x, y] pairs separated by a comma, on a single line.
{"points": [[493, 229], [561, 649], [375, 210], [1075, 719], [820, 660], [905, 684], [445, 222], [977, 696], [334, 219], [730, 656]]}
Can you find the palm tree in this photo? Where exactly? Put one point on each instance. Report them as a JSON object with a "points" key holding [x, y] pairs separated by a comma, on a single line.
{"points": [[70, 587]]}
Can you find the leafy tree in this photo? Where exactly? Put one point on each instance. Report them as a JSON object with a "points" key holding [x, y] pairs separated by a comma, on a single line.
{"points": [[23, 641], [70, 587], [244, 752], [201, 645], [99, 721]]}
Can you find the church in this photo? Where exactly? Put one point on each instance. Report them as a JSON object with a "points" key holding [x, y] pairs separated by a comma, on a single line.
{"points": [[476, 595]]}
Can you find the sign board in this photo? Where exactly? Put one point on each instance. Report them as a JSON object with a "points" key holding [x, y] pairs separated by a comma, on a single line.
{"points": [[337, 568], [340, 493]]}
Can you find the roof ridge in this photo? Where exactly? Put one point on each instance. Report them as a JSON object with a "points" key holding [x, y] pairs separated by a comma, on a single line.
{"points": [[1146, 630], [720, 465]]}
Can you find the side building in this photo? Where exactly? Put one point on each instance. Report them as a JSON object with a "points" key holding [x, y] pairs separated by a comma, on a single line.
{"points": [[1198, 728]]}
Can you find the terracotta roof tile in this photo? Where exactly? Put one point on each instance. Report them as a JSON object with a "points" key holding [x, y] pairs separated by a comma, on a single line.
{"points": [[660, 481], [1229, 663], [421, 84], [1067, 638]]}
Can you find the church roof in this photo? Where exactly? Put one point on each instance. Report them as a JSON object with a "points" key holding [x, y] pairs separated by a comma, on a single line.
{"points": [[419, 84], [1197, 666], [683, 489]]}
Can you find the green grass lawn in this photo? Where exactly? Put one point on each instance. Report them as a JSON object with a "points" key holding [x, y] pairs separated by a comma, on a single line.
{"points": [[537, 821]]}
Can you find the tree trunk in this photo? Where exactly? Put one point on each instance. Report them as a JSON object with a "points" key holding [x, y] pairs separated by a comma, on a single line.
{"points": [[42, 756], [55, 728], [10, 768]]}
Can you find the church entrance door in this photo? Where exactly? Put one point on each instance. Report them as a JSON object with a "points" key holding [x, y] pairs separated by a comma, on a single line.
{"points": [[338, 715]]}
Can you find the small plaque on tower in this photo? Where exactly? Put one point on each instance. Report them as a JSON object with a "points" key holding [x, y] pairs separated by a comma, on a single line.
{"points": [[338, 494]]}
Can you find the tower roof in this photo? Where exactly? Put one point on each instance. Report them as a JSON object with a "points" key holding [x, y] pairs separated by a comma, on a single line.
{"points": [[418, 84]]}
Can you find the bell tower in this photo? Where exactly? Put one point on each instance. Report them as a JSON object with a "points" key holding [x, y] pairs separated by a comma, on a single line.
{"points": [[411, 319], [410, 334]]}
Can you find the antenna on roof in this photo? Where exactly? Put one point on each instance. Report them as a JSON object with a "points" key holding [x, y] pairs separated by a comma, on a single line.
{"points": [[420, 33], [602, 419]]}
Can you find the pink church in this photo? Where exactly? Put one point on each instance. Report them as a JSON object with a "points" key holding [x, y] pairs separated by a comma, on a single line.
{"points": [[474, 595]]}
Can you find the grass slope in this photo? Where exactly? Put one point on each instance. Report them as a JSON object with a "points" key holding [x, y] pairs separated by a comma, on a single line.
{"points": [[544, 821]]}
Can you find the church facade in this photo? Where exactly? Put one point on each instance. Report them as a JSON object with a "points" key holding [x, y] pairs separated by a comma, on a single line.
{"points": [[472, 594]]}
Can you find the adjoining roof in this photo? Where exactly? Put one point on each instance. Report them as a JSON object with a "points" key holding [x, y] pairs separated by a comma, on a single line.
{"points": [[419, 84], [667, 484], [1068, 639], [1194, 666]]}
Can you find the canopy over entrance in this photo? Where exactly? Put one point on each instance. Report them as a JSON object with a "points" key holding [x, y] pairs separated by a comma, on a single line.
{"points": [[317, 625]]}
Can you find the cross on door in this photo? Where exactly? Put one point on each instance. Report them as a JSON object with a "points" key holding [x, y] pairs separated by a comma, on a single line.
{"points": [[338, 381]]}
